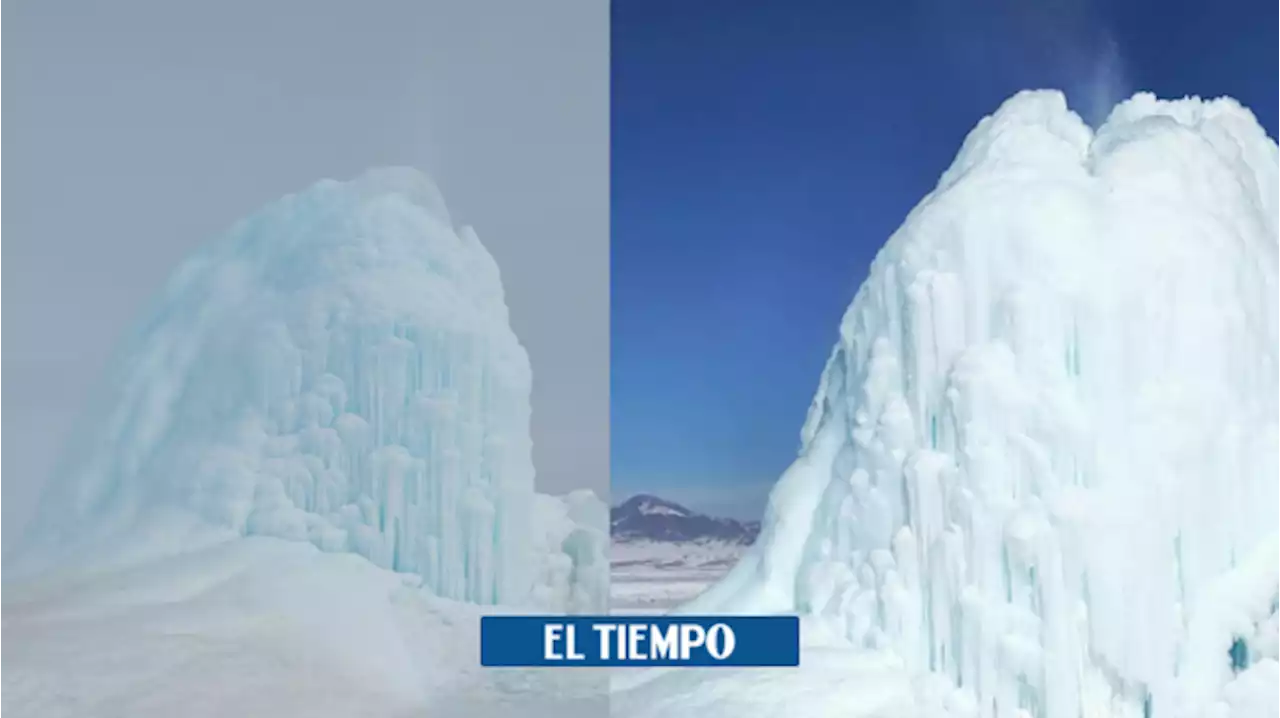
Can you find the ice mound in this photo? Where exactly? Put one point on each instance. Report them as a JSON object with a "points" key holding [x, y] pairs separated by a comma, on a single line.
{"points": [[572, 536], [1041, 464], [338, 369]]}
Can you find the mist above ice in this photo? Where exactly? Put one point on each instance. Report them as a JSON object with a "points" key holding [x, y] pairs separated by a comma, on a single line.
{"points": [[1099, 85], [1073, 40]]}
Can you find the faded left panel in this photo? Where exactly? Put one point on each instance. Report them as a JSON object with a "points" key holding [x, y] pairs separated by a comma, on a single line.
{"points": [[307, 309]]}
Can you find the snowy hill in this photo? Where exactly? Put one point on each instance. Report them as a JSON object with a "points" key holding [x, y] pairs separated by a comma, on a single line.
{"points": [[309, 467], [649, 518], [1039, 474], [663, 554]]}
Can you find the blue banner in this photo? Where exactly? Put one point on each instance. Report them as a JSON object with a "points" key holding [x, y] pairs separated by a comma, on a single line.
{"points": [[639, 641]]}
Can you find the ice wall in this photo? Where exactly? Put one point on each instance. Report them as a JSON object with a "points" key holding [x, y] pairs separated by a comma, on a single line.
{"points": [[339, 369], [1041, 464]]}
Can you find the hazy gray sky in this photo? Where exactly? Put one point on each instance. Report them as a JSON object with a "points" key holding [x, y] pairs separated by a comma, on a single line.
{"points": [[137, 130]]}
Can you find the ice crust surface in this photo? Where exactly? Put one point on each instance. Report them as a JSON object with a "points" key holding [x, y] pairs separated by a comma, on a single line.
{"points": [[337, 369], [261, 626], [1041, 466]]}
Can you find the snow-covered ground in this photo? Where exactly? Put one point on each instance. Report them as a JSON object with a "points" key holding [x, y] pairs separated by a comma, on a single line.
{"points": [[656, 576], [831, 684], [262, 627]]}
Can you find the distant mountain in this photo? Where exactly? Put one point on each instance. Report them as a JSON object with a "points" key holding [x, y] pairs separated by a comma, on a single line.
{"points": [[649, 518]]}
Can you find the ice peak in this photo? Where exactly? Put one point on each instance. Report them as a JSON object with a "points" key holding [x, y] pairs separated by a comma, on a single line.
{"points": [[1037, 128], [1034, 127], [407, 182]]}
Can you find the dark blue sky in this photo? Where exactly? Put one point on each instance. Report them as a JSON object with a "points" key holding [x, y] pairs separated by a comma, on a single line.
{"points": [[764, 151]]}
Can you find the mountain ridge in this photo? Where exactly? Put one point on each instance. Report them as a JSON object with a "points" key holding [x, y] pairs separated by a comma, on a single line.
{"points": [[646, 517]]}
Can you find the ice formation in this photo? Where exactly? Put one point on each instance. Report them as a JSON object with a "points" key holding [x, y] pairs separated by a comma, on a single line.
{"points": [[572, 543], [1041, 464], [338, 369]]}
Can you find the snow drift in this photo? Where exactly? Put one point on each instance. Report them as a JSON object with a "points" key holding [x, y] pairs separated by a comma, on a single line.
{"points": [[337, 369], [1041, 464]]}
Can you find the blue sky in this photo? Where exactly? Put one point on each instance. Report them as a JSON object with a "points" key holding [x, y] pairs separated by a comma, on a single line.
{"points": [[764, 151]]}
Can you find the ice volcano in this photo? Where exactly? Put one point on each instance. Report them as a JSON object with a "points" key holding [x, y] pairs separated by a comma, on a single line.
{"points": [[314, 454], [1040, 471], [338, 369]]}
